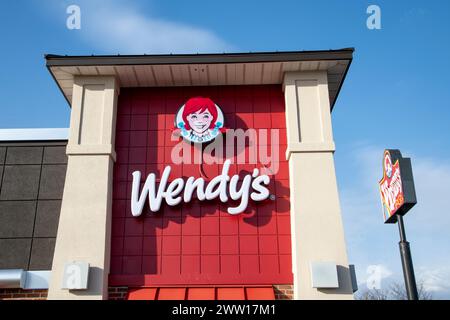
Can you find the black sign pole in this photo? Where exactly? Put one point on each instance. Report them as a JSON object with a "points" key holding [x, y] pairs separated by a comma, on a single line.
{"points": [[407, 264]]}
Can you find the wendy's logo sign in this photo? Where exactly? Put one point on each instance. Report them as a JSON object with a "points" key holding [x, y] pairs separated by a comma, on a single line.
{"points": [[397, 186], [200, 120], [391, 186], [253, 186]]}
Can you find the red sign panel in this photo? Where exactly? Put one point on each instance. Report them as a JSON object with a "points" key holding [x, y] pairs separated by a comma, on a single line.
{"points": [[200, 242], [391, 187]]}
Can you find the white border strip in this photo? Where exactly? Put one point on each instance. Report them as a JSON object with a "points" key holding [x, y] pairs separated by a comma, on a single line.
{"points": [[34, 134]]}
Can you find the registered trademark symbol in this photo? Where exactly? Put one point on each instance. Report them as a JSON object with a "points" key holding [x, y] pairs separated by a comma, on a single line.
{"points": [[272, 197]]}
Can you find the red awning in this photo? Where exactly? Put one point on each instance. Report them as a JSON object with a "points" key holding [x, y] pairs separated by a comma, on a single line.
{"points": [[202, 293]]}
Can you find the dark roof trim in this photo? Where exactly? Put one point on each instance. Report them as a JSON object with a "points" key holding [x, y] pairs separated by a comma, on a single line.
{"points": [[341, 84], [34, 143], [116, 60]]}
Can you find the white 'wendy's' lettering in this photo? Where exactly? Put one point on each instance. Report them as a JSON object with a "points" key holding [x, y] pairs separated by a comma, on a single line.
{"points": [[222, 186]]}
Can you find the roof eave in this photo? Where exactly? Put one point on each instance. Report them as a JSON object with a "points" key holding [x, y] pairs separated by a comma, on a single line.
{"points": [[346, 54], [116, 60]]}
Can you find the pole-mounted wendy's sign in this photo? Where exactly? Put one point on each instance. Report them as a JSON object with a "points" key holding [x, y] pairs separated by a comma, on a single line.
{"points": [[398, 195], [200, 120], [397, 189]]}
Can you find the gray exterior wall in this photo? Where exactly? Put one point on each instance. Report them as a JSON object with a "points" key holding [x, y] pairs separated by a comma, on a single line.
{"points": [[32, 178]]}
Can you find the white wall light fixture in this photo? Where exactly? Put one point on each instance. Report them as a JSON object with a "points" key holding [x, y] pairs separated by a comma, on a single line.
{"points": [[76, 275], [324, 275]]}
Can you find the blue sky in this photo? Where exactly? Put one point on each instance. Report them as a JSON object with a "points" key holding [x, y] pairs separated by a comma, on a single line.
{"points": [[396, 94]]}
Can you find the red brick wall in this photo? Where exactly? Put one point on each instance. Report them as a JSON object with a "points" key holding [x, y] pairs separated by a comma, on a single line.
{"points": [[20, 294], [284, 291], [117, 293], [197, 242]]}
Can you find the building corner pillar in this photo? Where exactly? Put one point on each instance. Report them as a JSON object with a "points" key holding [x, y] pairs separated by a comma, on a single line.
{"points": [[316, 224], [84, 229]]}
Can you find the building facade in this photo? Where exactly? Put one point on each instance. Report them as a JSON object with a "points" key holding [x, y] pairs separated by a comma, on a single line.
{"points": [[206, 176]]}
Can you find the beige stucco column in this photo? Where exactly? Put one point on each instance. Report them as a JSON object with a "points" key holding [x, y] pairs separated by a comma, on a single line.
{"points": [[85, 220], [316, 224]]}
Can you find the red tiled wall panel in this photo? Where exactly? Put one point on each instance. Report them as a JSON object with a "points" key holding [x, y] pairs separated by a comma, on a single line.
{"points": [[198, 242]]}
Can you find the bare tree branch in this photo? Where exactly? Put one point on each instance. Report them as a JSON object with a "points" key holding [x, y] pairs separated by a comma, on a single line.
{"points": [[396, 291]]}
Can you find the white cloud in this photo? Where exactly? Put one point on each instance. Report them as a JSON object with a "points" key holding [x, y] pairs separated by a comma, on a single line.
{"points": [[432, 180], [374, 277], [435, 280], [121, 27]]}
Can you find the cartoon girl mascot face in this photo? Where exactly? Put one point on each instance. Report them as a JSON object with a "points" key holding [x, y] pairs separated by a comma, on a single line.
{"points": [[388, 165], [199, 119]]}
